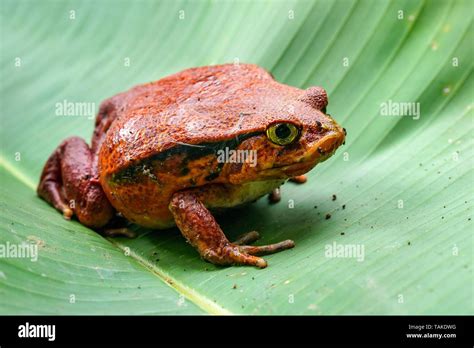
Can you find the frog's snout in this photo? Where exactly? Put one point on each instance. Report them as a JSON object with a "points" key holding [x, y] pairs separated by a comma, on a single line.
{"points": [[334, 138]]}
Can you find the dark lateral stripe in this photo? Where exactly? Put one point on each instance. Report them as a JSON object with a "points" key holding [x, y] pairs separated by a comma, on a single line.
{"points": [[137, 170]]}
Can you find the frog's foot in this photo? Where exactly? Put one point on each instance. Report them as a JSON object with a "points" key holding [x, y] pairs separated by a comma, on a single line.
{"points": [[300, 179], [69, 182], [201, 230], [275, 195]]}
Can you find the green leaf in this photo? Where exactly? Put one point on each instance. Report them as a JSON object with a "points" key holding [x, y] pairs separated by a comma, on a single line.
{"points": [[404, 185]]}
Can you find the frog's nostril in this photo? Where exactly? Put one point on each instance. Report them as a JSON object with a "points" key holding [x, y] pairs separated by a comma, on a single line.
{"points": [[319, 126]]}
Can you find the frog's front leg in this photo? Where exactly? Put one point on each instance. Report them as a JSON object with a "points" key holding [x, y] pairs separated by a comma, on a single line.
{"points": [[201, 230]]}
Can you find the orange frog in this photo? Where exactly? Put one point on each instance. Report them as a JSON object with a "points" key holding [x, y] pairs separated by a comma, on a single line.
{"points": [[170, 152]]}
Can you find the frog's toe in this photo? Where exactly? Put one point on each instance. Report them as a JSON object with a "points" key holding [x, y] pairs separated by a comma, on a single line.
{"points": [[232, 255], [261, 263], [300, 179], [275, 195], [247, 238], [267, 249], [67, 213], [246, 259]]}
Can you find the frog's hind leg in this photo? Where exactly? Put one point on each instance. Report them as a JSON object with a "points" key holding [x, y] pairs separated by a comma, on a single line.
{"points": [[69, 182], [202, 231], [50, 186]]}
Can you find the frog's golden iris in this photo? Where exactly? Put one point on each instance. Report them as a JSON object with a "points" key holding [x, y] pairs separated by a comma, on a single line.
{"points": [[283, 133]]}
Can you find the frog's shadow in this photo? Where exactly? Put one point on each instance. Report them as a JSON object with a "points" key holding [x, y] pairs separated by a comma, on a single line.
{"points": [[233, 225]]}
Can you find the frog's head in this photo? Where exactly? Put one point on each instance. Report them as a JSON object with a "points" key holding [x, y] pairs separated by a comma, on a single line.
{"points": [[293, 142]]}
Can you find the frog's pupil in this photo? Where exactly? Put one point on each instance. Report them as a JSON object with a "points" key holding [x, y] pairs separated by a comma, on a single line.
{"points": [[283, 131]]}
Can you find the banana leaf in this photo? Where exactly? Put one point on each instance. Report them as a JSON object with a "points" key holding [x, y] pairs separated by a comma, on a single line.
{"points": [[402, 184]]}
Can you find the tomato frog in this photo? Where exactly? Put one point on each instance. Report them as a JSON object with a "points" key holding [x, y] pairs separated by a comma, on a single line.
{"points": [[156, 155]]}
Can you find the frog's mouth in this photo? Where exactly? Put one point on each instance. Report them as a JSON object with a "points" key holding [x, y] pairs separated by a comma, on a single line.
{"points": [[327, 146]]}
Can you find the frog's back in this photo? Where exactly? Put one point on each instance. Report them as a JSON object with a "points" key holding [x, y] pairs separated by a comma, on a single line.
{"points": [[191, 107]]}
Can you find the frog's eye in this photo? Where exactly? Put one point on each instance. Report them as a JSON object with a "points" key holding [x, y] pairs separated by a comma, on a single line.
{"points": [[283, 133]]}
